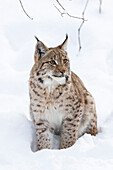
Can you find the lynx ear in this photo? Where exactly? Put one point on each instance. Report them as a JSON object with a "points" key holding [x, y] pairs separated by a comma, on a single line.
{"points": [[63, 46], [40, 50]]}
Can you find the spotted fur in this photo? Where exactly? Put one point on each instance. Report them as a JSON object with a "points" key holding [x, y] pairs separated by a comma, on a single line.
{"points": [[60, 106]]}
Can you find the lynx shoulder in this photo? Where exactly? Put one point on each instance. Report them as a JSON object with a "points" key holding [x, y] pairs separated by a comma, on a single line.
{"points": [[61, 107]]}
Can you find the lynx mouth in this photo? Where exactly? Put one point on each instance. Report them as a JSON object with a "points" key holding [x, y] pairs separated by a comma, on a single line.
{"points": [[58, 76], [58, 79], [66, 77]]}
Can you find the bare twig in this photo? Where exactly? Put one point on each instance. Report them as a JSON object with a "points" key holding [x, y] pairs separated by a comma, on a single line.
{"points": [[82, 18], [24, 10], [62, 13], [79, 29], [100, 6], [79, 39], [60, 5], [65, 12]]}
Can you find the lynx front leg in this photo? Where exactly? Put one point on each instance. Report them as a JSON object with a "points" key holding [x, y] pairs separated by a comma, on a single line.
{"points": [[42, 134], [69, 132]]}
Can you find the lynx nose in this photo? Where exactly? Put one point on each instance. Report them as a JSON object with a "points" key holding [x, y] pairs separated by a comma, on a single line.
{"points": [[61, 74]]}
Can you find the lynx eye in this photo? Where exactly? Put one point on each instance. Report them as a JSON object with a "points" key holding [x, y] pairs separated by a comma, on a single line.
{"points": [[65, 61], [53, 62]]}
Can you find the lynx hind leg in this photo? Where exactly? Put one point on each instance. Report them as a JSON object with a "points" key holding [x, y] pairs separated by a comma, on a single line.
{"points": [[92, 127], [88, 122], [91, 111]]}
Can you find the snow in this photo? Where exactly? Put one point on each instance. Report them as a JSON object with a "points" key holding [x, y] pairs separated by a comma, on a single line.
{"points": [[94, 65]]}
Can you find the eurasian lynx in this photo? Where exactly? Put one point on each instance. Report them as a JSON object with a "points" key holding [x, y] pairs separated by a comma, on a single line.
{"points": [[60, 106]]}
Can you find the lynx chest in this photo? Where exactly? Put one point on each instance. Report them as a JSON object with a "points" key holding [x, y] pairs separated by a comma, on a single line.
{"points": [[52, 106]]}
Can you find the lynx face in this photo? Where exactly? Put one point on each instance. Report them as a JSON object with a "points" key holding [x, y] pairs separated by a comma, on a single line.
{"points": [[52, 65]]}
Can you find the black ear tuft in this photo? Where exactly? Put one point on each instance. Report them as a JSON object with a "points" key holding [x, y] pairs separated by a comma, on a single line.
{"points": [[63, 46], [36, 38], [66, 36]]}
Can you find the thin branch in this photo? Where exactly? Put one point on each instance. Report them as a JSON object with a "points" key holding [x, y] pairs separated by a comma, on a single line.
{"points": [[82, 18], [59, 10], [85, 8], [100, 6], [81, 25], [60, 5], [24, 10], [76, 17], [79, 39], [65, 12]]}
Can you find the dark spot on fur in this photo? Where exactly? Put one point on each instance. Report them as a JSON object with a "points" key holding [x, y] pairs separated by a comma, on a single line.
{"points": [[86, 101], [60, 105], [40, 79], [58, 95], [73, 108], [38, 105], [37, 74], [67, 78], [68, 98], [75, 116], [80, 100], [44, 130], [92, 103], [32, 84], [77, 106], [76, 103], [43, 73], [66, 88], [69, 119], [36, 92], [68, 105]]}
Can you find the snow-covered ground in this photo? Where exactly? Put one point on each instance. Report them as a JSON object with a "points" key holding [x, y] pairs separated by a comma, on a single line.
{"points": [[94, 65]]}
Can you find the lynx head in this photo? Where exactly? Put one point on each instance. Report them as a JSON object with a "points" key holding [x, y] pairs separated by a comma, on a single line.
{"points": [[51, 64]]}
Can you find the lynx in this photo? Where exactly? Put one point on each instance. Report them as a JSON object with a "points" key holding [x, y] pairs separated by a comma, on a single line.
{"points": [[61, 108]]}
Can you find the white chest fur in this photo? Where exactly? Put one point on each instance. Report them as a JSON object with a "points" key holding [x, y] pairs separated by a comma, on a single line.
{"points": [[54, 116], [51, 114]]}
